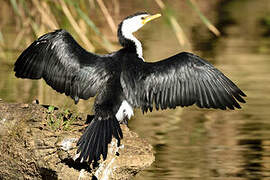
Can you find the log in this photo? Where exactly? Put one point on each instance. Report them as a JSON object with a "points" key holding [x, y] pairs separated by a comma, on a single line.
{"points": [[39, 142]]}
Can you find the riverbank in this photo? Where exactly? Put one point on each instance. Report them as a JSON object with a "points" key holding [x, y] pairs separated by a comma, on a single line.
{"points": [[39, 142]]}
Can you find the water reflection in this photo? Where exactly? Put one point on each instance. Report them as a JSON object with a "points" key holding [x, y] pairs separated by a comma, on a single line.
{"points": [[191, 143], [252, 155]]}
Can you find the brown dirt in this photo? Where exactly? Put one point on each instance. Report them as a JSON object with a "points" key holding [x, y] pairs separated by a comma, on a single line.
{"points": [[38, 143]]}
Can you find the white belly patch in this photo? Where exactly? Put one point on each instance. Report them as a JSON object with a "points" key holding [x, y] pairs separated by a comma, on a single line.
{"points": [[124, 111]]}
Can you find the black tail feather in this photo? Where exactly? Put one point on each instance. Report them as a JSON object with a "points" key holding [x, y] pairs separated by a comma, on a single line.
{"points": [[94, 142]]}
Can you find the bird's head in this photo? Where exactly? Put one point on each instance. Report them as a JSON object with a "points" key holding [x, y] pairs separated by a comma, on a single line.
{"points": [[130, 25], [134, 22]]}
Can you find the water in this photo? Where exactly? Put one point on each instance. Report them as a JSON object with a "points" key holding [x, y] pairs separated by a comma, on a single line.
{"points": [[192, 143]]}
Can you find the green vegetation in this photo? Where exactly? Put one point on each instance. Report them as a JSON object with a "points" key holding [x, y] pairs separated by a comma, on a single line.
{"points": [[60, 119], [266, 23]]}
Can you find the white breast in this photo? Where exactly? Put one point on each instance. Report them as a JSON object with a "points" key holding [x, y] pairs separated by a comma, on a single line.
{"points": [[125, 111]]}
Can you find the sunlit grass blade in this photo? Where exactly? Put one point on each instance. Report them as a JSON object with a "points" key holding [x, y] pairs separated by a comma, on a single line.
{"points": [[76, 26], [20, 35], [107, 45], [107, 16], [180, 35], [210, 26], [160, 4], [47, 8], [1, 38], [2, 53], [116, 6], [88, 21], [178, 31], [35, 28], [92, 4], [44, 14], [15, 6]]}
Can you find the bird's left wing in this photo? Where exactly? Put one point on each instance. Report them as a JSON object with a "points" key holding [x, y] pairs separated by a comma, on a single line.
{"points": [[180, 80], [64, 65]]}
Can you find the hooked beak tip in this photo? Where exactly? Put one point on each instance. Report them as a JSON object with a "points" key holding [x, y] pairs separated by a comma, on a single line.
{"points": [[150, 18]]}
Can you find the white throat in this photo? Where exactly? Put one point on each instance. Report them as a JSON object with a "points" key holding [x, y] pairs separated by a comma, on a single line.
{"points": [[127, 29]]}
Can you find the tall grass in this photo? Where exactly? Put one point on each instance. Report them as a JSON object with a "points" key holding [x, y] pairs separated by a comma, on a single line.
{"points": [[204, 19], [36, 17], [178, 30]]}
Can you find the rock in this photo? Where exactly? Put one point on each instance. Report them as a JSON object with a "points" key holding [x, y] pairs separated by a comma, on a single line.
{"points": [[40, 143]]}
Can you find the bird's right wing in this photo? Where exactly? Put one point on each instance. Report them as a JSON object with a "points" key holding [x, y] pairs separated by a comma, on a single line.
{"points": [[64, 65]]}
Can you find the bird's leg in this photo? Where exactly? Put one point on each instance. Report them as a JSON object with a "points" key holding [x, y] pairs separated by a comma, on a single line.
{"points": [[89, 118], [124, 121]]}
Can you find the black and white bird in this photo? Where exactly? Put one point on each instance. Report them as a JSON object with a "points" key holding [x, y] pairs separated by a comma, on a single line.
{"points": [[122, 81]]}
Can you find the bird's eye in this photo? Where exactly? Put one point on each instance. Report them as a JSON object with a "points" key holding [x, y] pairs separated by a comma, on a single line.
{"points": [[143, 18]]}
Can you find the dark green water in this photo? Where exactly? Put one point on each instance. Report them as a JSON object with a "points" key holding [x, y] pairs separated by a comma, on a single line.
{"points": [[192, 143]]}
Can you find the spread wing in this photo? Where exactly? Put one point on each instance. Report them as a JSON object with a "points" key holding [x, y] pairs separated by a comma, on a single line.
{"points": [[181, 80], [64, 65]]}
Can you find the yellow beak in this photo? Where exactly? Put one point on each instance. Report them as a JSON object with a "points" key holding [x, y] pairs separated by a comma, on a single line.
{"points": [[150, 18]]}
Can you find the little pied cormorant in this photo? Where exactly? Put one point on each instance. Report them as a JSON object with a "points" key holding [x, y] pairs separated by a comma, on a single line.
{"points": [[122, 81]]}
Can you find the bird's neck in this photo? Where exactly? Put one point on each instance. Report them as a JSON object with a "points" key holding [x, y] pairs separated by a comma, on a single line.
{"points": [[129, 41], [136, 42]]}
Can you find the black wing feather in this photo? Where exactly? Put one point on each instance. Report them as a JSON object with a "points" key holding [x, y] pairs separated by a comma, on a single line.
{"points": [[63, 64], [181, 80]]}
